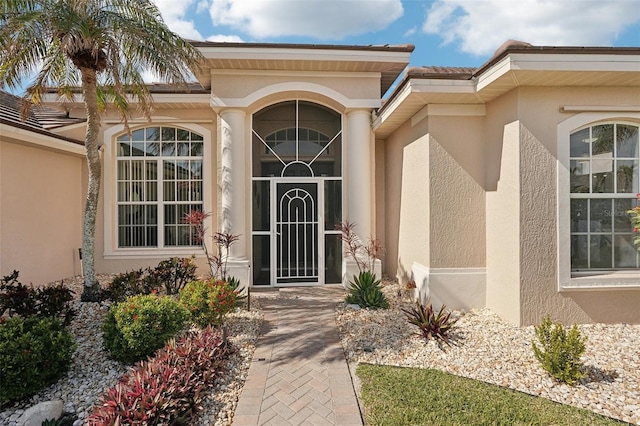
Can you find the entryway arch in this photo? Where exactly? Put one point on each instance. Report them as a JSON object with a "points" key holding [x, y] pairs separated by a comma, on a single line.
{"points": [[296, 194]]}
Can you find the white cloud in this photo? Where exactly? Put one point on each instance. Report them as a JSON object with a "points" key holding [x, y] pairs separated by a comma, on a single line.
{"points": [[321, 19], [174, 12], [410, 32], [225, 38], [480, 26]]}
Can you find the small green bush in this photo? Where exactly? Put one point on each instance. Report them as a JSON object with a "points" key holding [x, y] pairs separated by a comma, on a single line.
{"points": [[365, 291], [135, 328], [560, 351], [208, 301], [432, 324], [34, 353]]}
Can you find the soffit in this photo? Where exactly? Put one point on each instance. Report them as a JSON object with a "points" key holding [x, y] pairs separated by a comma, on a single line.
{"points": [[388, 60]]}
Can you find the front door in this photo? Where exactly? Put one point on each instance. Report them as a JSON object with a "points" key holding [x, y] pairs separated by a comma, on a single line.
{"points": [[297, 239]]}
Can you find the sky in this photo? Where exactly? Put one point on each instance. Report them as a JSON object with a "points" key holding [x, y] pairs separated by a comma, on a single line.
{"points": [[444, 32]]}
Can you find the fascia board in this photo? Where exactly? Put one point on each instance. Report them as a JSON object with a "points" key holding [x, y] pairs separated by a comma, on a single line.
{"points": [[202, 98], [396, 102], [315, 55], [575, 62], [36, 139]]}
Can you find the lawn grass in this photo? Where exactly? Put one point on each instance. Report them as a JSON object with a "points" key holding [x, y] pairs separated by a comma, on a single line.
{"points": [[410, 396]]}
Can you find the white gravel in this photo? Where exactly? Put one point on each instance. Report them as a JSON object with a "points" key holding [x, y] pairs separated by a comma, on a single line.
{"points": [[492, 350], [92, 372]]}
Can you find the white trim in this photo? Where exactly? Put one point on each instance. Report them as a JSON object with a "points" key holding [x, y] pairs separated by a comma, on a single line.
{"points": [[111, 251], [600, 108], [218, 103], [27, 137], [291, 73], [557, 62], [457, 288], [595, 280], [302, 54]]}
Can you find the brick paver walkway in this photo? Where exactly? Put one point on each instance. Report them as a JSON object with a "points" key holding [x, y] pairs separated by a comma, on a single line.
{"points": [[298, 374]]}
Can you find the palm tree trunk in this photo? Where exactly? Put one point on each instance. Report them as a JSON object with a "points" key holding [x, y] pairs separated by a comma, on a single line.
{"points": [[91, 290]]}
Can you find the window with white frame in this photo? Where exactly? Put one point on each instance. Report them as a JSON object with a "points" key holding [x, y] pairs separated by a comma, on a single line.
{"points": [[604, 179], [159, 179]]}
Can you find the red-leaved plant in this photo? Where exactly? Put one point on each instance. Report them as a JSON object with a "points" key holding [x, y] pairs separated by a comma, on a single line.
{"points": [[364, 254], [166, 389], [222, 240]]}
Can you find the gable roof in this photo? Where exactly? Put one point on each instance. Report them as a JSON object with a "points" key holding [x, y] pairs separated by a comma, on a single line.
{"points": [[39, 119]]}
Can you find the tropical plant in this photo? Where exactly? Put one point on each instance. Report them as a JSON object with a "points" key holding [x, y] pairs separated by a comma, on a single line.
{"points": [[101, 47], [218, 262], [363, 254], [366, 292], [168, 388], [432, 324], [560, 350]]}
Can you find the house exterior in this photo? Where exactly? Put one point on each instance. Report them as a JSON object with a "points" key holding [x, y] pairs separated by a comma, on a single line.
{"points": [[503, 187]]}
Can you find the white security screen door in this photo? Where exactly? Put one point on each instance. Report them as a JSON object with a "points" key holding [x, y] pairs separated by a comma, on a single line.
{"points": [[296, 227]]}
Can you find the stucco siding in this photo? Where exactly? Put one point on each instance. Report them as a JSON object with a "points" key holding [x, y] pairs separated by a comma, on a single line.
{"points": [[503, 207], [539, 112], [456, 188], [239, 86], [41, 205]]}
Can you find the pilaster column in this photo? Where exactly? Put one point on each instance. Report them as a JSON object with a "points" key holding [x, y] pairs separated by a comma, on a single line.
{"points": [[233, 181], [358, 148]]}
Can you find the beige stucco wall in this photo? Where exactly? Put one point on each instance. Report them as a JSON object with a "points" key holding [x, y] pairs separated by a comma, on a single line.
{"points": [[502, 164], [406, 187], [241, 85], [456, 188], [40, 212], [539, 113]]}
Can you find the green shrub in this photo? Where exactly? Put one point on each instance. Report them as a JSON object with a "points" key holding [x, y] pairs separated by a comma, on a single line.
{"points": [[135, 328], [365, 291], [168, 388], [34, 353], [174, 273], [432, 325], [208, 301], [18, 299], [560, 351]]}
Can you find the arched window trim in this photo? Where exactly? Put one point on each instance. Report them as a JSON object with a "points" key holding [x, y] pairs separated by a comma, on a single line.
{"points": [[112, 246]]}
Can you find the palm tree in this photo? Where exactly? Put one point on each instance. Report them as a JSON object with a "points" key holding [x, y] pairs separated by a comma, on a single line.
{"points": [[102, 47]]}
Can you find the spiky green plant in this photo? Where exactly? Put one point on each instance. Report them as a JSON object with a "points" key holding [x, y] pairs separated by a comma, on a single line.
{"points": [[365, 291], [432, 324]]}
